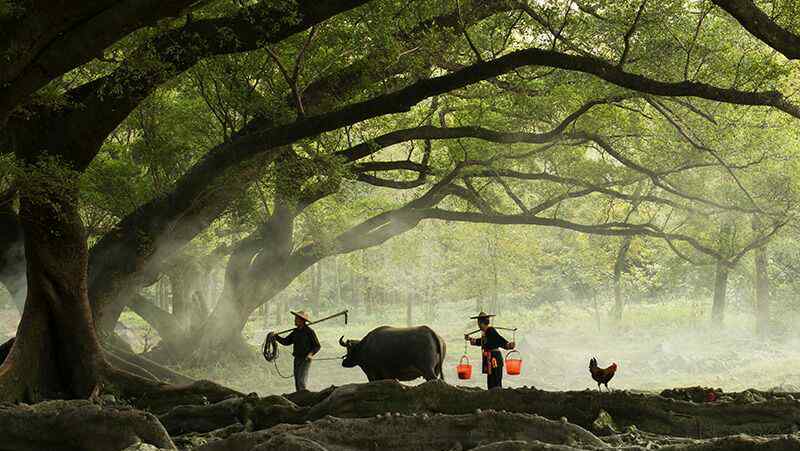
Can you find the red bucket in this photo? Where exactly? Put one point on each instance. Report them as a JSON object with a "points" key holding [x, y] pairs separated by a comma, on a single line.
{"points": [[513, 366], [464, 370]]}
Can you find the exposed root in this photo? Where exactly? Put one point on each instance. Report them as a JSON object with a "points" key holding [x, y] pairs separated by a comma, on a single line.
{"points": [[159, 371], [307, 398], [733, 443], [160, 397], [73, 425], [518, 445], [741, 443], [250, 412], [410, 433], [647, 412], [650, 413]]}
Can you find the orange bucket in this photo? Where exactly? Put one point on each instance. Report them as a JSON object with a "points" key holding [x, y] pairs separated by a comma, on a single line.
{"points": [[513, 366], [464, 370]]}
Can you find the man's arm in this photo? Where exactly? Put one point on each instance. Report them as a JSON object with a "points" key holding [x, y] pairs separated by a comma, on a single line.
{"points": [[473, 341], [315, 346], [287, 340]]}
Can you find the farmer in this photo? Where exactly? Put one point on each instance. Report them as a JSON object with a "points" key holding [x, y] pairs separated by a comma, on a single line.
{"points": [[490, 342], [305, 344]]}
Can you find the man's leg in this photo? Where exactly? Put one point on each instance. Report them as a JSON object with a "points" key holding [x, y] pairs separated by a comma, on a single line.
{"points": [[495, 380], [499, 372], [301, 366]]}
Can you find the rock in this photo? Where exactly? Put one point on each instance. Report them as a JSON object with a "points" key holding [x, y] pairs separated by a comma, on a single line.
{"points": [[750, 396], [142, 447], [694, 394], [604, 424], [785, 388]]}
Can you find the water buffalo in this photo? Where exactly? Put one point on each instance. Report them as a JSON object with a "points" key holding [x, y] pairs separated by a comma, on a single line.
{"points": [[402, 353]]}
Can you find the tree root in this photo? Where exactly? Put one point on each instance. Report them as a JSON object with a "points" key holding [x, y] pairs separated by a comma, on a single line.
{"points": [[161, 372], [159, 397], [410, 433], [73, 425], [251, 412], [741, 443], [519, 445], [649, 413], [732, 443], [307, 398]]}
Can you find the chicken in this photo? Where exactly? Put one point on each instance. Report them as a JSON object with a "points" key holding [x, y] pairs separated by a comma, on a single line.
{"points": [[601, 375]]}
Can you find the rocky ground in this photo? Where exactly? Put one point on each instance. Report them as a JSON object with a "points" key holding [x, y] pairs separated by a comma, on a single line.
{"points": [[387, 415]]}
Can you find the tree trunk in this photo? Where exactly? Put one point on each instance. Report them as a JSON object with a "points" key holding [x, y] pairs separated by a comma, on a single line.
{"points": [[762, 291], [721, 276], [12, 253], [720, 292], [338, 270], [188, 306], [165, 324], [316, 288], [56, 352], [495, 284], [619, 266], [409, 308]]}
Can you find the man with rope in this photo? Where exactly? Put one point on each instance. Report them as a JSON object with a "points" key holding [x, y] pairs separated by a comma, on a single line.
{"points": [[306, 345]]}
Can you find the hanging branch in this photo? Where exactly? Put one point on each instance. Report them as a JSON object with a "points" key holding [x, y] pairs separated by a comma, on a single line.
{"points": [[466, 33], [629, 35], [667, 113], [292, 79], [694, 41]]}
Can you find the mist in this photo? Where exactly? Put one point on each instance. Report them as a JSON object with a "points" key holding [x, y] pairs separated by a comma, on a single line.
{"points": [[666, 337]]}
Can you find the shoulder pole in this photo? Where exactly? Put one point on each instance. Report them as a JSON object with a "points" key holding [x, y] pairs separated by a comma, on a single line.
{"points": [[335, 315]]}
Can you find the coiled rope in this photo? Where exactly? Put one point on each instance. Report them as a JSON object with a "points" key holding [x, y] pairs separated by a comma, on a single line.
{"points": [[270, 352]]}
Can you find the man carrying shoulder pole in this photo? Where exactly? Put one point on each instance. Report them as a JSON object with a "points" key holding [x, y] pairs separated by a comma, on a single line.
{"points": [[306, 345]]}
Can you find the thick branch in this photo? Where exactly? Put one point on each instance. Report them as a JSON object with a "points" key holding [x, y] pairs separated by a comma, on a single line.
{"points": [[760, 25], [78, 44], [606, 229], [430, 132], [102, 104]]}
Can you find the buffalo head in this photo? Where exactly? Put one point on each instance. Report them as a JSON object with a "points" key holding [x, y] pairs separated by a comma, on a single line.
{"points": [[351, 359]]}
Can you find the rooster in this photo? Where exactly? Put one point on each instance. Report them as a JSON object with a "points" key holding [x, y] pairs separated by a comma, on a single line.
{"points": [[601, 375]]}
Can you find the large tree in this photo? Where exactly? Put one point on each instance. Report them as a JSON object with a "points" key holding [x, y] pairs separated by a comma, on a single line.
{"points": [[58, 105]]}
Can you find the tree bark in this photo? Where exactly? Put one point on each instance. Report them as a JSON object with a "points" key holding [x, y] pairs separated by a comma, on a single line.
{"points": [[56, 352]]}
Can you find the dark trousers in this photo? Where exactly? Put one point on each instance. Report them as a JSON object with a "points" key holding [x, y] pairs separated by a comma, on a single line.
{"points": [[301, 367], [495, 380]]}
